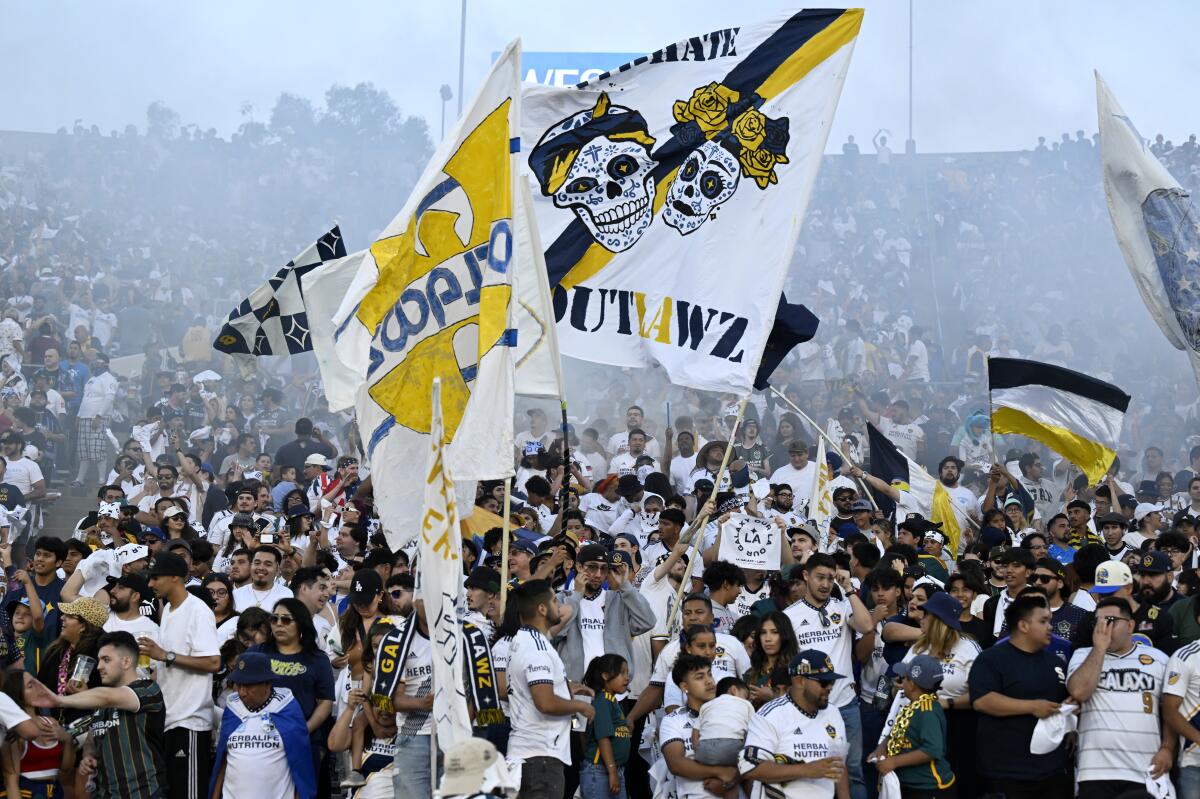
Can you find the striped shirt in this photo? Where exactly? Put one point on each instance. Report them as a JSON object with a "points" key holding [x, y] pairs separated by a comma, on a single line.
{"points": [[1183, 681], [1119, 731], [129, 746]]}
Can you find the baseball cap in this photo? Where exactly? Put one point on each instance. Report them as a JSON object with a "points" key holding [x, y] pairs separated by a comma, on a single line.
{"points": [[997, 552], [1050, 564], [1079, 503], [860, 505], [1144, 509], [521, 545], [815, 665], [934, 536], [317, 459], [484, 578], [135, 582], [251, 668], [796, 445], [171, 512], [628, 485], [944, 607], [592, 553], [128, 553], [297, 511], [1112, 518], [1012, 501], [466, 767], [168, 564], [1127, 502], [923, 670], [620, 556], [1183, 517], [153, 531], [1112, 577], [1153, 562], [242, 520], [366, 585]]}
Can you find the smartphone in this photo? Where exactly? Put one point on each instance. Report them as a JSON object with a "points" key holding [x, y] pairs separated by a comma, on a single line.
{"points": [[267, 538]]}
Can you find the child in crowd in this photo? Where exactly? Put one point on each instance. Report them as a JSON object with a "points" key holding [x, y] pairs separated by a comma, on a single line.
{"points": [[31, 768], [916, 747], [701, 641], [607, 739], [720, 732]]}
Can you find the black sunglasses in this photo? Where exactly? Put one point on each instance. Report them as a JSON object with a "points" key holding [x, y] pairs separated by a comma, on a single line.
{"points": [[277, 619]]}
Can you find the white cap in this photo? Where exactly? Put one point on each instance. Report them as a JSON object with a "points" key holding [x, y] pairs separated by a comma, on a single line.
{"points": [[1144, 509], [131, 552], [467, 765], [1111, 577], [317, 459]]}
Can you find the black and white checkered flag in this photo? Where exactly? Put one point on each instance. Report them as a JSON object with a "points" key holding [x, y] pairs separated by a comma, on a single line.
{"points": [[272, 320]]}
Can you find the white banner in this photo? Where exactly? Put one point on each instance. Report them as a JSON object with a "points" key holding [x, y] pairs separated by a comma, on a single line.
{"points": [[670, 193], [440, 557], [750, 543]]}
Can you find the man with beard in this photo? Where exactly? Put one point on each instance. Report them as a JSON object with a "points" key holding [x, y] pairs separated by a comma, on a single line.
{"points": [[843, 498], [619, 442], [782, 498], [539, 697], [626, 462], [1079, 515], [1153, 576], [125, 600], [1065, 618], [262, 591], [681, 464], [1059, 547], [965, 501], [1045, 492], [1114, 578], [798, 472], [601, 621]]}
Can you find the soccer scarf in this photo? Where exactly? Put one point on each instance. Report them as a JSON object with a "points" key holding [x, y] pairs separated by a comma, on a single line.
{"points": [[394, 649]]}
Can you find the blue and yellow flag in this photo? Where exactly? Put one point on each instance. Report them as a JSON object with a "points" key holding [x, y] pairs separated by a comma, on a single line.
{"points": [[433, 301]]}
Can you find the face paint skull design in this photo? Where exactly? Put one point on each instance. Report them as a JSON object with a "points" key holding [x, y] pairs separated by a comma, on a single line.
{"points": [[610, 189], [709, 176]]}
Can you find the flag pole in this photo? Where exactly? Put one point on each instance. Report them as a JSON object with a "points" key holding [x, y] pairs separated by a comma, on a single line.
{"points": [[566, 483], [504, 528], [991, 423], [822, 434], [697, 526]]}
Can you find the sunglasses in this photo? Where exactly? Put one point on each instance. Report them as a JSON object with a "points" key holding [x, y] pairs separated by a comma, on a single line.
{"points": [[277, 619], [1044, 579], [396, 594], [823, 615]]}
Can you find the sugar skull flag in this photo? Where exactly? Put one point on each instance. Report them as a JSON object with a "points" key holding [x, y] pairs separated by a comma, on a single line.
{"points": [[669, 193]]}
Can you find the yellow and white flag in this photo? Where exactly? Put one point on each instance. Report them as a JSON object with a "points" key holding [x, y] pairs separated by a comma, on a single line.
{"points": [[434, 300], [439, 555], [820, 502]]}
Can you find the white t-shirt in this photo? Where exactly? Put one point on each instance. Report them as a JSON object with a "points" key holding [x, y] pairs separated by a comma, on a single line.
{"points": [[598, 511], [918, 361], [618, 443], [139, 625], [904, 436], [726, 716], [591, 626], [673, 697], [190, 630], [955, 668], [256, 762], [834, 637], [730, 658], [250, 597], [533, 661], [1118, 725], [23, 474], [1183, 681], [418, 683], [661, 596], [780, 728], [681, 473], [626, 463], [10, 714], [800, 480]]}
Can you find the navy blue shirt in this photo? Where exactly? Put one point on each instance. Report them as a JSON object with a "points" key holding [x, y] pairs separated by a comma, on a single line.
{"points": [[307, 675]]}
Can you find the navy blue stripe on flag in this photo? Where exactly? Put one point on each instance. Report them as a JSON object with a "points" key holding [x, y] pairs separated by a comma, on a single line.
{"points": [[571, 245], [1014, 373], [887, 463], [514, 144]]}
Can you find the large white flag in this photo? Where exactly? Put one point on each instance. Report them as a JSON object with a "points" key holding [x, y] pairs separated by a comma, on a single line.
{"points": [[539, 366], [820, 499], [670, 193], [440, 557], [324, 289], [433, 299], [1157, 226]]}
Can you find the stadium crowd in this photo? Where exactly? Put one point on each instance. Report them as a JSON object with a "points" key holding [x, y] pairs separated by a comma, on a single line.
{"points": [[213, 626]]}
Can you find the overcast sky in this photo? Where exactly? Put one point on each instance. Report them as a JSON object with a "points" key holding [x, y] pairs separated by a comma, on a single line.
{"points": [[988, 76]]}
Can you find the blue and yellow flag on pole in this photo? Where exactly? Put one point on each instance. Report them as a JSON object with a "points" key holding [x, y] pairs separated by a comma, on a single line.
{"points": [[433, 300]]}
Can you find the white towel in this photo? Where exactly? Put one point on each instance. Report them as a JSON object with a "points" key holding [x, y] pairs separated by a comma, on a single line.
{"points": [[1048, 733]]}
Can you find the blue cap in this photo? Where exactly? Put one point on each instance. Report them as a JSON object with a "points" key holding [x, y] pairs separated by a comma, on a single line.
{"points": [[621, 556], [522, 545], [815, 665], [923, 670], [944, 607], [251, 668]]}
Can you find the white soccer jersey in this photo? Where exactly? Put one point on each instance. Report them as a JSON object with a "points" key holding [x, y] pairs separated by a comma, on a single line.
{"points": [[677, 726], [780, 729], [533, 661], [827, 629], [1183, 681], [1118, 726], [746, 599], [731, 658]]}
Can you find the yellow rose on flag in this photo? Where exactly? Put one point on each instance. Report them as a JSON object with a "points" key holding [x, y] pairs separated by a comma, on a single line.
{"points": [[750, 128], [760, 165], [708, 107]]}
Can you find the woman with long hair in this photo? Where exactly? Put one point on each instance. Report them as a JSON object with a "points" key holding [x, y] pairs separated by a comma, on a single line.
{"points": [[253, 627], [31, 768], [942, 638], [369, 734], [294, 641], [82, 625], [788, 428], [362, 610], [176, 525], [220, 588], [774, 647]]}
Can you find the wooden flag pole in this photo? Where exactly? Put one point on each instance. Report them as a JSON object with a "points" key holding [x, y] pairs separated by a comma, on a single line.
{"points": [[991, 424], [697, 527], [504, 527], [836, 446]]}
